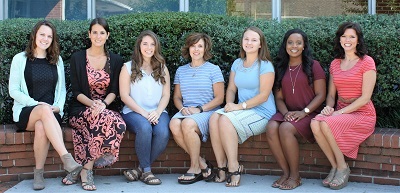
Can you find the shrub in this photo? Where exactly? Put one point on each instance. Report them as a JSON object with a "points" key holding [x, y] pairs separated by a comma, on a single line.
{"points": [[381, 34]]}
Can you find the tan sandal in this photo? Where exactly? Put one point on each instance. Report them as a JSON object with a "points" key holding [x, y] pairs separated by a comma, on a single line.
{"points": [[286, 186], [276, 184], [133, 175], [329, 178], [340, 180], [149, 179]]}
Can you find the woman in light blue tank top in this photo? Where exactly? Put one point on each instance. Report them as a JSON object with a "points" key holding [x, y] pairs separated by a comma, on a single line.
{"points": [[145, 90], [252, 77]]}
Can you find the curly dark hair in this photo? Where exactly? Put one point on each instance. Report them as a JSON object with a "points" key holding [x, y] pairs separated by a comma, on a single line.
{"points": [[53, 51], [157, 60], [361, 48], [193, 38], [283, 59]]}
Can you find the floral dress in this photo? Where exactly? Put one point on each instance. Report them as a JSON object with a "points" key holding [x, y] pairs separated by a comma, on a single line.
{"points": [[97, 138]]}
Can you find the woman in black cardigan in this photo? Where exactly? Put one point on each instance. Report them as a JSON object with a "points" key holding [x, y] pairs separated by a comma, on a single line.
{"points": [[98, 130]]}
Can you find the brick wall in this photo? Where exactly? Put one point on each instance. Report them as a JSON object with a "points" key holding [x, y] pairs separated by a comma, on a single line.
{"points": [[387, 7], [56, 12], [378, 160]]}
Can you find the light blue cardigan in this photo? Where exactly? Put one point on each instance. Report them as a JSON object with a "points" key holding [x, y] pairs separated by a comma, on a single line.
{"points": [[19, 91]]}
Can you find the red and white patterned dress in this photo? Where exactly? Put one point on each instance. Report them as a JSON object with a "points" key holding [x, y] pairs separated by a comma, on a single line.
{"points": [[351, 129], [97, 138]]}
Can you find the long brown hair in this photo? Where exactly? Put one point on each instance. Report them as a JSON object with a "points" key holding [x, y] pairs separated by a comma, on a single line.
{"points": [[263, 52], [104, 24], [157, 61], [53, 51]]}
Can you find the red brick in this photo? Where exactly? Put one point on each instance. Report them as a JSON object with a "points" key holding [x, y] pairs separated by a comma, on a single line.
{"points": [[251, 158], [10, 138], [123, 164], [19, 155], [375, 166], [391, 152], [7, 163], [2, 137], [173, 163], [249, 151], [9, 178], [396, 141], [368, 142], [178, 157], [377, 159], [19, 170], [25, 162], [395, 160], [358, 178], [370, 150], [388, 167], [386, 181], [378, 140], [4, 156]]}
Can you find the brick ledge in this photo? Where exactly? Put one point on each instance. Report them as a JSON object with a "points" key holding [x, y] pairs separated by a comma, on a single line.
{"points": [[378, 160]]}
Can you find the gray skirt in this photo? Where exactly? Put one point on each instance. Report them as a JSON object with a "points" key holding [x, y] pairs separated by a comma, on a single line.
{"points": [[246, 122]]}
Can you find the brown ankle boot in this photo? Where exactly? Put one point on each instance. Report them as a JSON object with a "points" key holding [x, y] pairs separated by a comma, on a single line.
{"points": [[38, 180], [70, 164]]}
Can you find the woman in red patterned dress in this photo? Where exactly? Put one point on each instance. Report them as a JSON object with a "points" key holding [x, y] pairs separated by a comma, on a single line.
{"points": [[98, 130], [339, 131]]}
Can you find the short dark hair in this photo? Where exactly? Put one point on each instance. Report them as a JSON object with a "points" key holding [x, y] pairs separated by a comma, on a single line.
{"points": [[193, 38]]}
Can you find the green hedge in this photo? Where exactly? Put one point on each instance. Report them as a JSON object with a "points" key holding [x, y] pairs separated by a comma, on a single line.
{"points": [[381, 34]]}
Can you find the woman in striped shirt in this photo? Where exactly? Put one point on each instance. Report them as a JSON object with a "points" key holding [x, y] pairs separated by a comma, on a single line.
{"points": [[199, 91], [339, 131]]}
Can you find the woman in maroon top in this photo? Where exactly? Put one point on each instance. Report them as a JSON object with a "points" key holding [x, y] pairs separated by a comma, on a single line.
{"points": [[299, 91]]}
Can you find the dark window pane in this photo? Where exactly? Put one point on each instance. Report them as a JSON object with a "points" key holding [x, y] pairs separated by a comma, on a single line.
{"points": [[76, 10], [106, 7], [208, 6], [34, 9]]}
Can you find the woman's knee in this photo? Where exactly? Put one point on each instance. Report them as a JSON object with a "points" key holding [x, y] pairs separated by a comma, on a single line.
{"points": [[175, 127], [272, 129], [315, 127]]}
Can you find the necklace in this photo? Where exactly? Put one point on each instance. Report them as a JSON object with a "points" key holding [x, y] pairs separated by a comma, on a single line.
{"points": [[294, 68], [290, 74], [195, 68]]}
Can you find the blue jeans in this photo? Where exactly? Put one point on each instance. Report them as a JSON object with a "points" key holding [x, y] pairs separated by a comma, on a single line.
{"points": [[151, 140]]}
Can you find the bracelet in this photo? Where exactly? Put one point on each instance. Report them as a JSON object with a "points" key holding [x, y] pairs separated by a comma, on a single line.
{"points": [[104, 102], [181, 109], [199, 107]]}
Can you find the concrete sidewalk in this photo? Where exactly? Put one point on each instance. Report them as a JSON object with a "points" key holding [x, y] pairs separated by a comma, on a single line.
{"points": [[249, 183]]}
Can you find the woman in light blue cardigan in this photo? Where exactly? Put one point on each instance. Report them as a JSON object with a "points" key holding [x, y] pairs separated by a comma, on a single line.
{"points": [[37, 85]]}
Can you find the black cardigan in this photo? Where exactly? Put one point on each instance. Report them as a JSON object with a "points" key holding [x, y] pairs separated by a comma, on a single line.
{"points": [[79, 79]]}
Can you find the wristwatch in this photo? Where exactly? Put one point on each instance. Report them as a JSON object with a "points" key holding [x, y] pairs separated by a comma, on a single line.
{"points": [[244, 105], [199, 107], [306, 110]]}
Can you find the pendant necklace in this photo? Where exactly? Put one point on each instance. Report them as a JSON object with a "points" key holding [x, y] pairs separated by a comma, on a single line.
{"points": [[290, 74], [195, 68]]}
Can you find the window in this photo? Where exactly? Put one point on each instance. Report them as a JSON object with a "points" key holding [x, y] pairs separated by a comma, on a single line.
{"points": [[34, 9], [76, 10]]}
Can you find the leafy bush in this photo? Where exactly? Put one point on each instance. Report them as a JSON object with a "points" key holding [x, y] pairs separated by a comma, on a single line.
{"points": [[381, 34]]}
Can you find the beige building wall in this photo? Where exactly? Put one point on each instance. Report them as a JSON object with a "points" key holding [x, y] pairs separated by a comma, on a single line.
{"points": [[261, 9]]}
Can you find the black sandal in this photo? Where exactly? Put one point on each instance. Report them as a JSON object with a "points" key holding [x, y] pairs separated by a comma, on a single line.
{"points": [[219, 169], [235, 173], [209, 168]]}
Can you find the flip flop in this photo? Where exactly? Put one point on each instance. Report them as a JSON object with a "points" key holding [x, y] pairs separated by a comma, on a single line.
{"points": [[197, 177]]}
